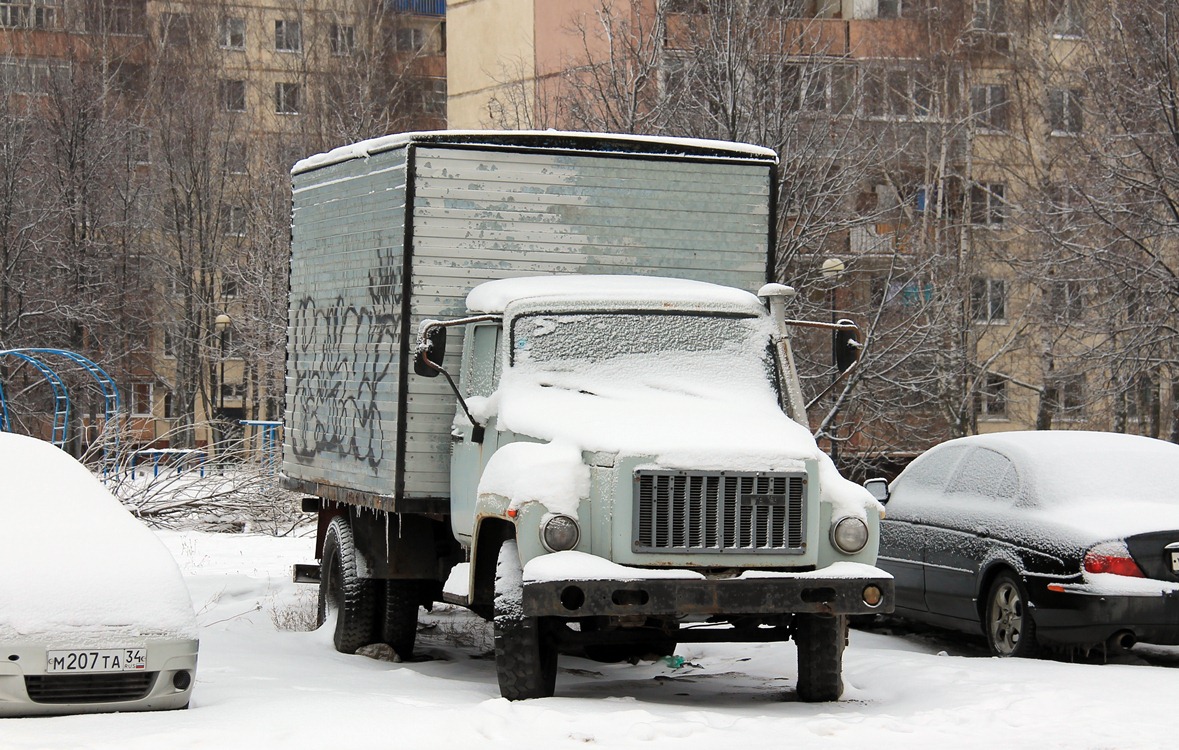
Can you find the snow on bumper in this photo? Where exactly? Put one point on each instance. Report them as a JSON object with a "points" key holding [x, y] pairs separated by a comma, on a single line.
{"points": [[574, 584]]}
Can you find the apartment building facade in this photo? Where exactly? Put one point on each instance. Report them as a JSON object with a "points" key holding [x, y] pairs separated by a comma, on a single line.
{"points": [[938, 155], [208, 105]]}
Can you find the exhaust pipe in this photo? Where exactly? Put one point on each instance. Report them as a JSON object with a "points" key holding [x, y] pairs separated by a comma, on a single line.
{"points": [[1121, 641]]}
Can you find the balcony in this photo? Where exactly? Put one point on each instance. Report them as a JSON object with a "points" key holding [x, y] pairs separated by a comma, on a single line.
{"points": [[418, 7]]}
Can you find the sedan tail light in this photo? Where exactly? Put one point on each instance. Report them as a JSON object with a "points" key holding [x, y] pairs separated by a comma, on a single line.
{"points": [[1112, 557]]}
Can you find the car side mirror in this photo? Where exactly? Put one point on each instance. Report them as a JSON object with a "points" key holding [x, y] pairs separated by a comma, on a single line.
{"points": [[878, 488], [427, 361]]}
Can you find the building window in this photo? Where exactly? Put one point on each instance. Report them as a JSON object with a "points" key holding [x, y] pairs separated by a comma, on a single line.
{"points": [[288, 36], [1066, 300], [991, 401], [233, 96], [174, 29], [14, 15], [990, 16], [236, 158], [1065, 397], [410, 39], [893, 293], [286, 98], [987, 205], [123, 17], [889, 9], [433, 92], [29, 76], [233, 221], [141, 399], [898, 93], [1067, 21], [989, 103], [822, 88], [1064, 111], [988, 300], [342, 38], [139, 145], [228, 289], [30, 14], [233, 33], [170, 406]]}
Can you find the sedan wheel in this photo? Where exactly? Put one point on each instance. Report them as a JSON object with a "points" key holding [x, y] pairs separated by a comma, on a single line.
{"points": [[1009, 627]]}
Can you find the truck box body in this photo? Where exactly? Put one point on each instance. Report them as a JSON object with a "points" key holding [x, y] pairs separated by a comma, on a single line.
{"points": [[394, 231]]}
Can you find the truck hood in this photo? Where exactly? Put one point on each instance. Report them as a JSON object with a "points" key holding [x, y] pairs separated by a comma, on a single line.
{"points": [[715, 429]]}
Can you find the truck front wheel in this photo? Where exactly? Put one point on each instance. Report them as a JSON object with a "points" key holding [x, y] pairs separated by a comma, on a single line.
{"points": [[343, 593], [820, 640], [525, 654]]}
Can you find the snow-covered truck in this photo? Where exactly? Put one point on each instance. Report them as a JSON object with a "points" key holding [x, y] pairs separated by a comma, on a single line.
{"points": [[615, 459]]}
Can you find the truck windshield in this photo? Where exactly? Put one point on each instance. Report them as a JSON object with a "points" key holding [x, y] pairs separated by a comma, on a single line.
{"points": [[654, 348]]}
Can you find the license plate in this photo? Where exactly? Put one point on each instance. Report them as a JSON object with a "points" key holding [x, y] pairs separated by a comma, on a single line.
{"points": [[99, 660]]}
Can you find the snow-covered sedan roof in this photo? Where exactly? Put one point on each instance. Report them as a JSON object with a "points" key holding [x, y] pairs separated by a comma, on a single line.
{"points": [[493, 297], [549, 139], [80, 570]]}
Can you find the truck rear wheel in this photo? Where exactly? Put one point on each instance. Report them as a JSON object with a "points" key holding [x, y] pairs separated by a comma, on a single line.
{"points": [[343, 593], [400, 627], [820, 640], [525, 654]]}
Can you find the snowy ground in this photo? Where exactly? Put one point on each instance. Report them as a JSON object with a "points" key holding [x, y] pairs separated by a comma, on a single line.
{"points": [[262, 687]]}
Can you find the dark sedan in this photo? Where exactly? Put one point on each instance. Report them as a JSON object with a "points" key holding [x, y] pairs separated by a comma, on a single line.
{"points": [[1038, 538]]}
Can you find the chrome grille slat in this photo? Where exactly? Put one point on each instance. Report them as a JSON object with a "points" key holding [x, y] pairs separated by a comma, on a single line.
{"points": [[711, 512]]}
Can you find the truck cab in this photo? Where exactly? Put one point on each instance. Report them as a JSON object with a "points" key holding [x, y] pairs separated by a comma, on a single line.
{"points": [[630, 439]]}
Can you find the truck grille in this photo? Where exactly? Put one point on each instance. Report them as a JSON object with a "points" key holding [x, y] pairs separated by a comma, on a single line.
{"points": [[104, 687], [701, 512]]}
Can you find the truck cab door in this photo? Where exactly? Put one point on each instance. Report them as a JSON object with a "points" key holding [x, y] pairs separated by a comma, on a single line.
{"points": [[479, 377]]}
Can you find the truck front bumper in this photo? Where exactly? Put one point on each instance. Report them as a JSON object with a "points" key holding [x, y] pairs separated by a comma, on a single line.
{"points": [[871, 593]]}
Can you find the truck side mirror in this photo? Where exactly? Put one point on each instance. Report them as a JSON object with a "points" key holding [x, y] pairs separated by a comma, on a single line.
{"points": [[847, 347], [427, 361], [878, 488]]}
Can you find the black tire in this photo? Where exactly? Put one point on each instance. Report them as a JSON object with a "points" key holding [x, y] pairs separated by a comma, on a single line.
{"points": [[343, 592], [820, 640], [400, 627], [1008, 626], [525, 654]]}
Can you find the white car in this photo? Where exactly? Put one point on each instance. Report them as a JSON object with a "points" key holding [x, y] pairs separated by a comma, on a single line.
{"points": [[94, 614]]}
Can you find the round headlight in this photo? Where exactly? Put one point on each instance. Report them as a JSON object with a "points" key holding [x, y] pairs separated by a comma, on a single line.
{"points": [[559, 533], [849, 534]]}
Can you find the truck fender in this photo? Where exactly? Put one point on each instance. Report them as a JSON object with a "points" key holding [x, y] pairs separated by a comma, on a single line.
{"points": [[490, 535]]}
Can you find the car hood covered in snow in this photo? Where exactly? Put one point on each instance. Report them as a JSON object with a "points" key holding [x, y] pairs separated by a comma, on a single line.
{"points": [[78, 568]]}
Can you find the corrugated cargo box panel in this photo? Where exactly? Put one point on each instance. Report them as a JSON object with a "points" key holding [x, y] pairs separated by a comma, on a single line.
{"points": [[477, 215]]}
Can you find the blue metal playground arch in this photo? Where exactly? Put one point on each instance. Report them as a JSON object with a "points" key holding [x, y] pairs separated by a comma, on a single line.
{"points": [[61, 397]]}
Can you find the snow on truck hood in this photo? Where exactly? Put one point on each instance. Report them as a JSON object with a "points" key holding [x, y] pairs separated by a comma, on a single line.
{"points": [[76, 565]]}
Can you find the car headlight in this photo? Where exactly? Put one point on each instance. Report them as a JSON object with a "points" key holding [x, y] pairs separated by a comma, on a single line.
{"points": [[849, 534], [559, 533]]}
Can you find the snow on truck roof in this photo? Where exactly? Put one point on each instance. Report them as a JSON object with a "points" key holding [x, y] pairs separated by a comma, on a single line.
{"points": [[493, 297], [542, 139]]}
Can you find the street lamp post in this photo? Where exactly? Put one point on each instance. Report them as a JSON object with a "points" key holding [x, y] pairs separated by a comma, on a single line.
{"points": [[831, 269], [221, 324]]}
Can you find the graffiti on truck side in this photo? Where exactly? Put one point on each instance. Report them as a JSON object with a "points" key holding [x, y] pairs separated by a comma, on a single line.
{"points": [[347, 368]]}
